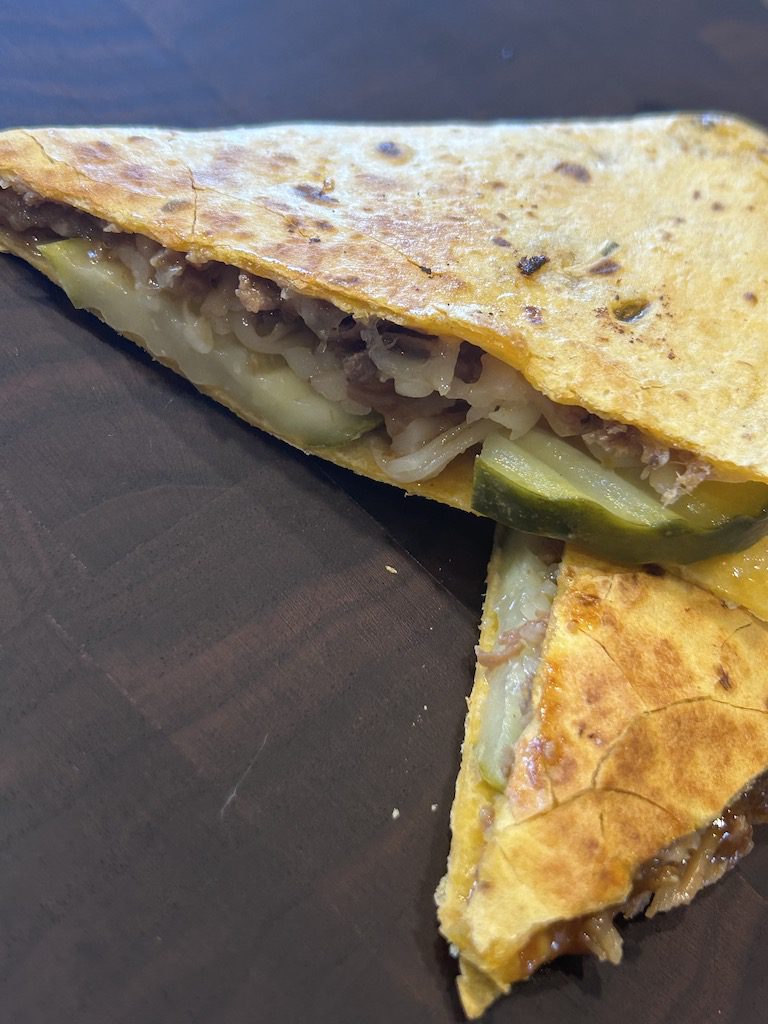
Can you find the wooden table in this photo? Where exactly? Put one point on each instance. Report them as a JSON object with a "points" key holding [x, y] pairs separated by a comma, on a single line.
{"points": [[213, 691]]}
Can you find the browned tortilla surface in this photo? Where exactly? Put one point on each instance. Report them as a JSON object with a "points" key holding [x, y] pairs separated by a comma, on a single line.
{"points": [[651, 714], [427, 225]]}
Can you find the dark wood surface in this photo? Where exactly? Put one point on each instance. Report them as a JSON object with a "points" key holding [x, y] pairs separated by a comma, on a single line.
{"points": [[212, 691]]}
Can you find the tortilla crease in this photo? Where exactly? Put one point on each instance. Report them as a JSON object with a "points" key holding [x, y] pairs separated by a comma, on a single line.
{"points": [[425, 225], [650, 716]]}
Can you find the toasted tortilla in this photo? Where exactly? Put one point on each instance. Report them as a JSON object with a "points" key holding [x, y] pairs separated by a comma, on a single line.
{"points": [[427, 225], [650, 716]]}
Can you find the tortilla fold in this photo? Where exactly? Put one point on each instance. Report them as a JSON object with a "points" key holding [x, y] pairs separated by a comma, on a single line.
{"points": [[428, 225], [650, 716]]}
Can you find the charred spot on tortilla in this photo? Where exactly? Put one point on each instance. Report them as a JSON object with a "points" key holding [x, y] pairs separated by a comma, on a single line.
{"points": [[175, 205], [501, 241], [140, 173], [750, 297], [394, 152], [605, 266], [96, 151], [530, 264], [723, 678], [630, 310], [315, 194], [572, 170], [225, 221]]}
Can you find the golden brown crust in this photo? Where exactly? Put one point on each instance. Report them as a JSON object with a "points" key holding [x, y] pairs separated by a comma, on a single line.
{"points": [[426, 224], [134, 178], [651, 714]]}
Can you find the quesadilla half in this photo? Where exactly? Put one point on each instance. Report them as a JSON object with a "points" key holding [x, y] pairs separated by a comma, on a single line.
{"points": [[613, 763], [587, 300]]}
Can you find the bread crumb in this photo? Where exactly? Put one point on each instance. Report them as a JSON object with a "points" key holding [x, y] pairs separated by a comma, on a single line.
{"points": [[395, 814], [391, 568], [433, 808]]}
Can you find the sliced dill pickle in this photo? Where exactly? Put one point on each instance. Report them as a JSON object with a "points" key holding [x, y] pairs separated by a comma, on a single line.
{"points": [[542, 484], [519, 590], [263, 387]]}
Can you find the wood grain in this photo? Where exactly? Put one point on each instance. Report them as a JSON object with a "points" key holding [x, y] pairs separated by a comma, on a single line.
{"points": [[213, 691]]}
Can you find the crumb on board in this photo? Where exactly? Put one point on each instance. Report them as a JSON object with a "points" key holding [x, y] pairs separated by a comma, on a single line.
{"points": [[395, 814], [391, 568], [433, 808]]}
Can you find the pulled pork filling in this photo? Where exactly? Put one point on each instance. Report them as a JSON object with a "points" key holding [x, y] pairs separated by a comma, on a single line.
{"points": [[437, 397], [671, 879]]}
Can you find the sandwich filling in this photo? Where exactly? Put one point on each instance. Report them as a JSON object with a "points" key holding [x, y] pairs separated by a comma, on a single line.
{"points": [[423, 400], [671, 879]]}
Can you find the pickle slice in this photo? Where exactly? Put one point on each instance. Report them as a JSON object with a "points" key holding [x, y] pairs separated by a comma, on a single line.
{"points": [[543, 484], [520, 589], [263, 387]]}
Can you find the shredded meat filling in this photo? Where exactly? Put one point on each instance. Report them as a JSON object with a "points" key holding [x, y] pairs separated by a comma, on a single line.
{"points": [[672, 472], [256, 294], [669, 880], [511, 642], [426, 388], [27, 211]]}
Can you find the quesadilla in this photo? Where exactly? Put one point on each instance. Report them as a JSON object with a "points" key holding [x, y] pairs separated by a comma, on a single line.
{"points": [[613, 763], [587, 300]]}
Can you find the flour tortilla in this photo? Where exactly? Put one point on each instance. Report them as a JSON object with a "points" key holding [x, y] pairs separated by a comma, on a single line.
{"points": [[650, 716], [425, 225]]}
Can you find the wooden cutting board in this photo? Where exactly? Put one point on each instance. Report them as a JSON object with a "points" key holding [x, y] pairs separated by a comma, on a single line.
{"points": [[223, 665]]}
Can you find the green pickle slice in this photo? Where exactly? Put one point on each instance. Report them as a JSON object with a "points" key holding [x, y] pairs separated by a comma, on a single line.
{"points": [[264, 387], [544, 484], [516, 594]]}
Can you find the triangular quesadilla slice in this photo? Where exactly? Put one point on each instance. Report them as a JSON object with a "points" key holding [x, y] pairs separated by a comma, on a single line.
{"points": [[584, 299], [613, 762]]}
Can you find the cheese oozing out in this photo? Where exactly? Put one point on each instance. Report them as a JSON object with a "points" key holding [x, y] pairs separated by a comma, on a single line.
{"points": [[424, 400]]}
